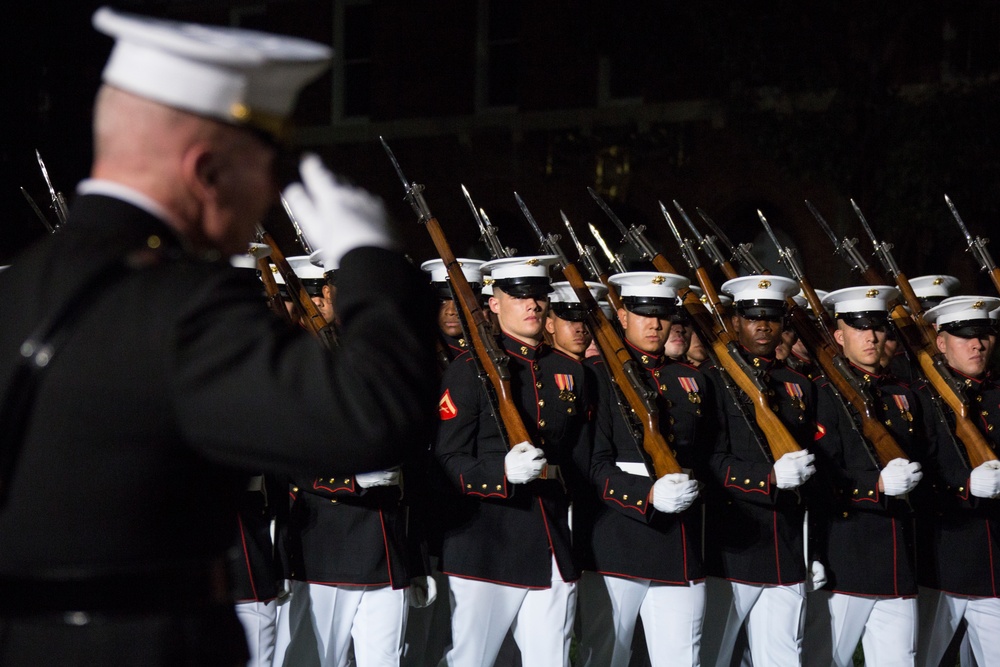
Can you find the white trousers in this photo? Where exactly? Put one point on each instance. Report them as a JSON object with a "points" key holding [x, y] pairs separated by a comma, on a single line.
{"points": [[318, 623], [607, 611], [259, 620], [886, 628], [940, 613], [774, 617], [482, 612]]}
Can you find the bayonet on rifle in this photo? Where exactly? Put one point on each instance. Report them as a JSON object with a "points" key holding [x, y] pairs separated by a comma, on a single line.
{"points": [[58, 201], [705, 243], [487, 232], [742, 253], [633, 234], [38, 211], [977, 246], [491, 358], [613, 259], [549, 243], [847, 248]]}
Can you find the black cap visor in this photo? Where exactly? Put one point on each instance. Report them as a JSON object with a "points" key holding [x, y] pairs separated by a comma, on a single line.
{"points": [[771, 310], [573, 312], [537, 287], [868, 320], [971, 328], [652, 306]]}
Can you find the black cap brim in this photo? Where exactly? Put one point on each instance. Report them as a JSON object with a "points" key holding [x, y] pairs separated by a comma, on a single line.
{"points": [[572, 312], [762, 309], [865, 320]]}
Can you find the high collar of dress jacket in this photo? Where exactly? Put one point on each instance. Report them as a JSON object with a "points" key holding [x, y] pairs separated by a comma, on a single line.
{"points": [[759, 361], [649, 361], [519, 348]]}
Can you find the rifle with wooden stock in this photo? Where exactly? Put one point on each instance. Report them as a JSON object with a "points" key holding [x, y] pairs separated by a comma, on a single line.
{"points": [[917, 337], [490, 356], [303, 304], [827, 354], [624, 370], [726, 349]]}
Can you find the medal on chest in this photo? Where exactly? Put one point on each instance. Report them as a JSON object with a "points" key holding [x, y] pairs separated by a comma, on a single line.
{"points": [[566, 383], [794, 390], [690, 385]]}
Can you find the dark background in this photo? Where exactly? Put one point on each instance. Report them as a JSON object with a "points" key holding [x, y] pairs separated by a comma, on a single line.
{"points": [[727, 106]]}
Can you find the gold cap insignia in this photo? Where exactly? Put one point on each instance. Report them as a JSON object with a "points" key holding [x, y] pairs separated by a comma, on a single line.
{"points": [[532, 262], [938, 281], [764, 284], [487, 281], [871, 294], [274, 269], [979, 305], [659, 280]]}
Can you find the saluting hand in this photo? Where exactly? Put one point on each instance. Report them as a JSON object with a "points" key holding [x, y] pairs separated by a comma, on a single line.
{"points": [[335, 217]]}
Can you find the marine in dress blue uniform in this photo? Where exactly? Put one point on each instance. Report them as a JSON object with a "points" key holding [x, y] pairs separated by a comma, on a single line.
{"points": [[867, 531], [959, 533], [640, 538], [145, 422], [507, 551], [755, 552]]}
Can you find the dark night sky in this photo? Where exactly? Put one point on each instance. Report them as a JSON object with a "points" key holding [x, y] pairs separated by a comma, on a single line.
{"points": [[904, 161]]}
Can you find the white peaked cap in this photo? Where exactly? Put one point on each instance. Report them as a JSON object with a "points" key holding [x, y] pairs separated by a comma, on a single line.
{"points": [[934, 286], [649, 284], [724, 299], [519, 267], [439, 272], [563, 292], [322, 260], [303, 268], [863, 299], [242, 77], [248, 259], [760, 288], [963, 309]]}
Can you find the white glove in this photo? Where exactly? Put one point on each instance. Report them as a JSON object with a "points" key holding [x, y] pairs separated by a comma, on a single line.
{"points": [[389, 477], [674, 492], [523, 463], [794, 468], [900, 476], [422, 592], [335, 217], [816, 576], [984, 482]]}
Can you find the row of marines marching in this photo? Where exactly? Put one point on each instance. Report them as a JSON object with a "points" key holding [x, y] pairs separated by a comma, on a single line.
{"points": [[510, 551]]}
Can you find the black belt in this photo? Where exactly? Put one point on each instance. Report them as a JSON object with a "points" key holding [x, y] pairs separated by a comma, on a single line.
{"points": [[170, 588]]}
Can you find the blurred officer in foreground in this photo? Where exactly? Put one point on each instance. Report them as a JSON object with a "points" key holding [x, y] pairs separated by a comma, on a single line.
{"points": [[136, 361]]}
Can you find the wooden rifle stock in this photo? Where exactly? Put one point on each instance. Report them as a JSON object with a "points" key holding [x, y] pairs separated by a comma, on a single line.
{"points": [[302, 302], [271, 291], [920, 339], [833, 364], [623, 370], [485, 348], [779, 440]]}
